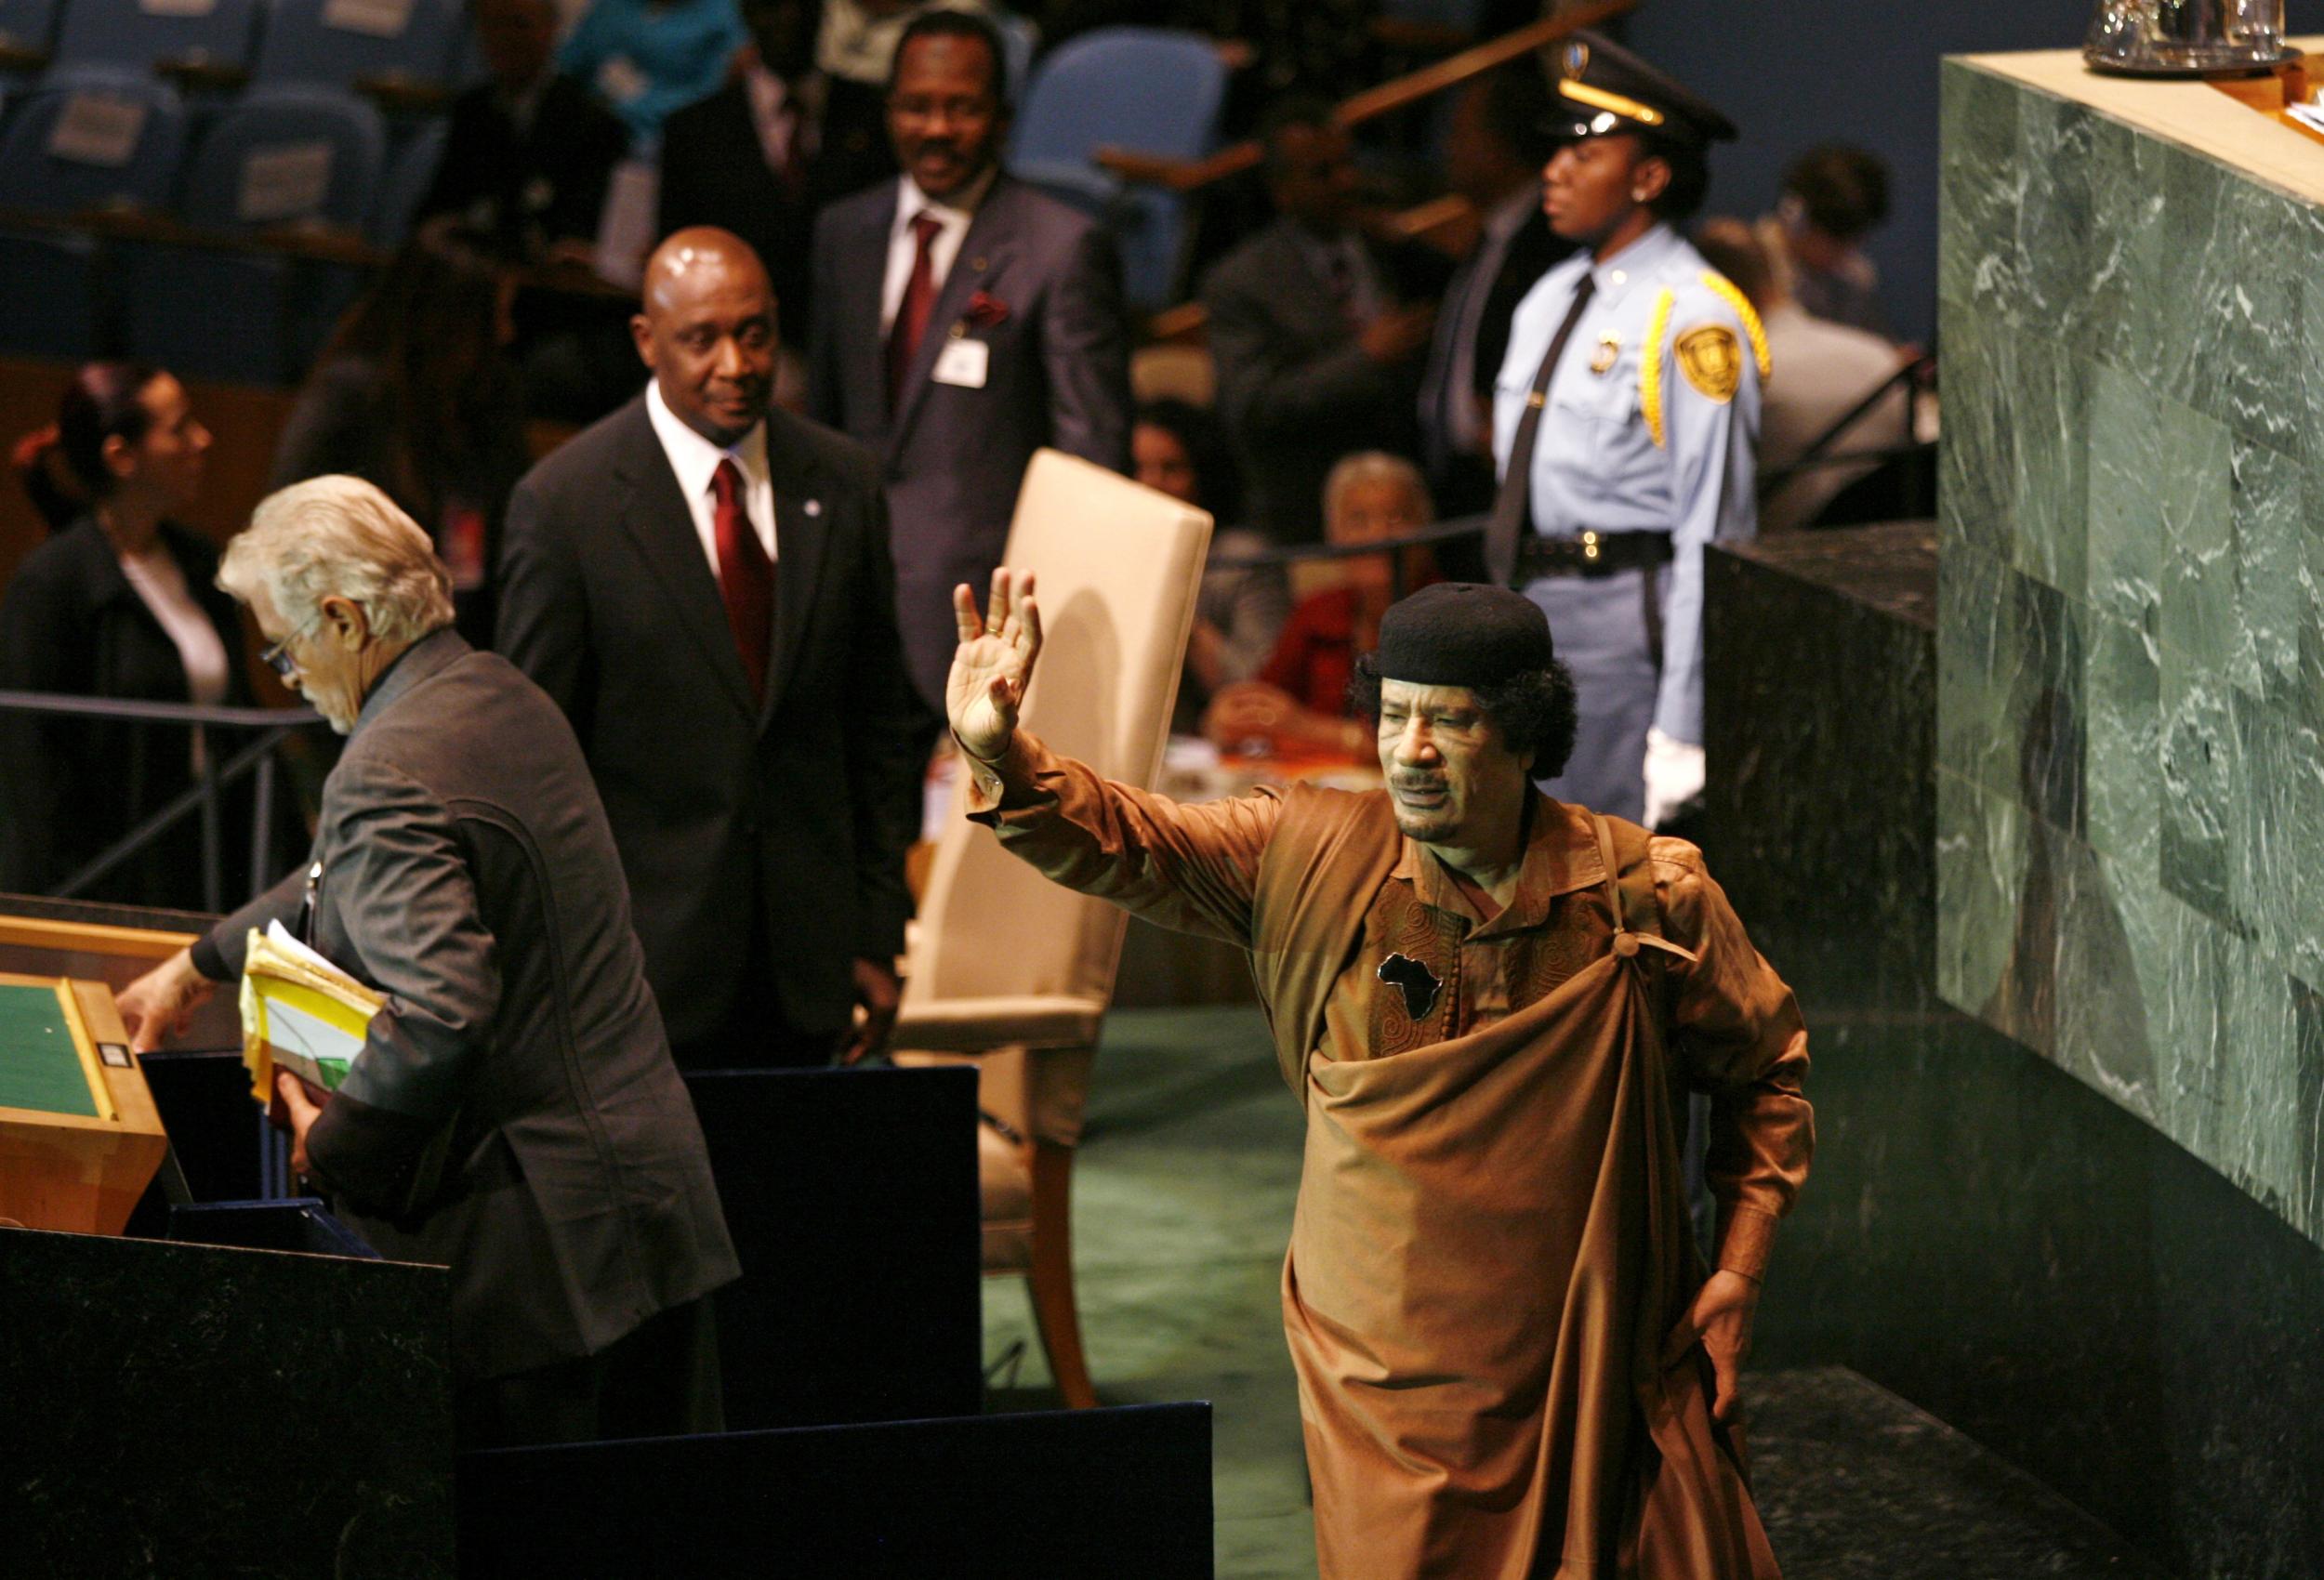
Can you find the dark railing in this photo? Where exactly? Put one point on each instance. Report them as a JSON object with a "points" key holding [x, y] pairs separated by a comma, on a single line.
{"points": [[204, 799]]}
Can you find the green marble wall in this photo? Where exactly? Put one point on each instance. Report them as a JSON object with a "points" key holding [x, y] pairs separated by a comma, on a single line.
{"points": [[2130, 624]]}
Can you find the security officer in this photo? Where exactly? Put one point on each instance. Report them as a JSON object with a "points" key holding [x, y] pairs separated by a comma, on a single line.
{"points": [[1625, 421]]}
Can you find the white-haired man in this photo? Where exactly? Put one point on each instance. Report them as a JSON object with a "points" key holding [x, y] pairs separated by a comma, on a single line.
{"points": [[462, 866]]}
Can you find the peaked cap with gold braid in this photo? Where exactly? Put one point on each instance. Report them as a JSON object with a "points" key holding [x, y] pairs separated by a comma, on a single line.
{"points": [[1599, 87]]}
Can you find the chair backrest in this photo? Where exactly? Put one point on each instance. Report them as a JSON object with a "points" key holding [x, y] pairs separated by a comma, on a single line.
{"points": [[28, 25], [93, 137], [342, 41], [409, 171], [1153, 89], [285, 153], [1119, 569], [143, 33]]}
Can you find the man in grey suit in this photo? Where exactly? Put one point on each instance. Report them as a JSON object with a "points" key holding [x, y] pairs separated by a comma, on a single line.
{"points": [[961, 322], [514, 1112], [1319, 333]]}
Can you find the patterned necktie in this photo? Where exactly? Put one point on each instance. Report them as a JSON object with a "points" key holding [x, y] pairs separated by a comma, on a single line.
{"points": [[746, 578], [919, 297]]}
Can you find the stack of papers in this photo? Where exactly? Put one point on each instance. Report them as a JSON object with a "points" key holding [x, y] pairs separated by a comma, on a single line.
{"points": [[300, 1012]]}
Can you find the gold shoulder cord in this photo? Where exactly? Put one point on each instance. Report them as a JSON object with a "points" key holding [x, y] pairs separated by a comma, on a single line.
{"points": [[1650, 366], [1732, 293]]}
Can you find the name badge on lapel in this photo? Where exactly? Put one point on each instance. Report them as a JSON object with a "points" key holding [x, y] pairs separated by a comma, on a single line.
{"points": [[962, 363]]}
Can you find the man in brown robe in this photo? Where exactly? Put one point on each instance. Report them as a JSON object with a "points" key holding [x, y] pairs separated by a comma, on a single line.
{"points": [[1511, 1363]]}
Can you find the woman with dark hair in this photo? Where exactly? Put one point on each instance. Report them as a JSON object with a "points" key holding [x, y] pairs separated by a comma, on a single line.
{"points": [[119, 604], [1180, 450], [414, 396]]}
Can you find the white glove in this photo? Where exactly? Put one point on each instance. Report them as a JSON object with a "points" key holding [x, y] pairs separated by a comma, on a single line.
{"points": [[1674, 777]]}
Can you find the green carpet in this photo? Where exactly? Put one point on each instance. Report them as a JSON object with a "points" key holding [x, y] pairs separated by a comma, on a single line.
{"points": [[1183, 1201]]}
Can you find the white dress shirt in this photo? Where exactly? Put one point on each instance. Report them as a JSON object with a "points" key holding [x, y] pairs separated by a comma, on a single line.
{"points": [[695, 460], [904, 247], [160, 586]]}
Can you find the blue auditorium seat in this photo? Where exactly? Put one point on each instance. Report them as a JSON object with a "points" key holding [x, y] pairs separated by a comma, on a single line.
{"points": [[344, 41], [88, 136], [1149, 89], [285, 154], [127, 32], [409, 171]]}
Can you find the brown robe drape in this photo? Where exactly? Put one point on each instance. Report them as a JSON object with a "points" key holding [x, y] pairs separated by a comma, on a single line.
{"points": [[1491, 1242]]}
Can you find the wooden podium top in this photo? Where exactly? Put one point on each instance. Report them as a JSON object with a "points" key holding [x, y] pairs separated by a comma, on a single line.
{"points": [[2185, 111]]}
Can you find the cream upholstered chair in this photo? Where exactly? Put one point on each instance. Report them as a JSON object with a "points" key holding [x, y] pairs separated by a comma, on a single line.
{"points": [[1005, 965]]}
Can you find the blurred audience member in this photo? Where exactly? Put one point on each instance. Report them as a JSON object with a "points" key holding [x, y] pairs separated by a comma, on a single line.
{"points": [[1493, 158], [1319, 333], [529, 149], [754, 158], [1822, 371], [962, 321], [648, 57], [1299, 700], [1833, 197], [119, 604], [414, 395], [1179, 451]]}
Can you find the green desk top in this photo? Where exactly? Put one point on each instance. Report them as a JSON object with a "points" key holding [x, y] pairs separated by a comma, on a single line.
{"points": [[39, 1067]]}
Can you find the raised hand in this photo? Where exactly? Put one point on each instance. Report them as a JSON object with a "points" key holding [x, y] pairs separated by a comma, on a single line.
{"points": [[993, 664]]}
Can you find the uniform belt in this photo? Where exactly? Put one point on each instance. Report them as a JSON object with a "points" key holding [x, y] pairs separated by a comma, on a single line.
{"points": [[1590, 554]]}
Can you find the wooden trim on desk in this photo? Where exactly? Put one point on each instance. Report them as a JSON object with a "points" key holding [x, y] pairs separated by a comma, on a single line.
{"points": [[93, 938]]}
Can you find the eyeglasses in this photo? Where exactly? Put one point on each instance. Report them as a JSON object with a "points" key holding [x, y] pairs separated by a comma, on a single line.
{"points": [[278, 658]]}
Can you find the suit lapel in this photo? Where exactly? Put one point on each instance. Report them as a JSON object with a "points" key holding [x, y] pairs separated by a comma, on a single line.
{"points": [[983, 250], [863, 285], [803, 506], [653, 513]]}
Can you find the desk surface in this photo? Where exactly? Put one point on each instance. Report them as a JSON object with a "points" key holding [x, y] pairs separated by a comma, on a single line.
{"points": [[2187, 112], [40, 1067]]}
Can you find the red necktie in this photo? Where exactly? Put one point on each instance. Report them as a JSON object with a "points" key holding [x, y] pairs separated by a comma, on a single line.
{"points": [[746, 579], [919, 296]]}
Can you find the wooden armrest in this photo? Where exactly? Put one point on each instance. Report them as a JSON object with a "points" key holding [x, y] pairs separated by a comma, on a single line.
{"points": [[973, 1025]]}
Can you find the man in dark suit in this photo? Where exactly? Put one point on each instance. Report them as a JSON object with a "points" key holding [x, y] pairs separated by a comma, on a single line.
{"points": [[1318, 331], [529, 150], [962, 321], [762, 157], [702, 582], [1493, 157], [513, 1113]]}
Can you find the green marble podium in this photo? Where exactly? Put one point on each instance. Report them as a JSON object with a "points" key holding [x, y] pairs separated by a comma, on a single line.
{"points": [[2131, 603]]}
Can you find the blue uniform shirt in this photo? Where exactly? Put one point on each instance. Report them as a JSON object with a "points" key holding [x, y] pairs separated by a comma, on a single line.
{"points": [[1597, 465]]}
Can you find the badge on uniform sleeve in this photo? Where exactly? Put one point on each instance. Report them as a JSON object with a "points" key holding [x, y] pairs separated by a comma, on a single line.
{"points": [[1711, 358]]}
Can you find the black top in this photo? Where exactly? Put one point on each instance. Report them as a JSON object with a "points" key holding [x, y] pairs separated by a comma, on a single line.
{"points": [[72, 623]]}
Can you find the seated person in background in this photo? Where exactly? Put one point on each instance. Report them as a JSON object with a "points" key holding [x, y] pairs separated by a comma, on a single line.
{"points": [[1821, 371], [413, 394], [648, 57], [529, 150], [755, 157], [1493, 157], [513, 1113], [118, 604], [1299, 700], [1178, 450], [1318, 331], [1833, 197]]}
